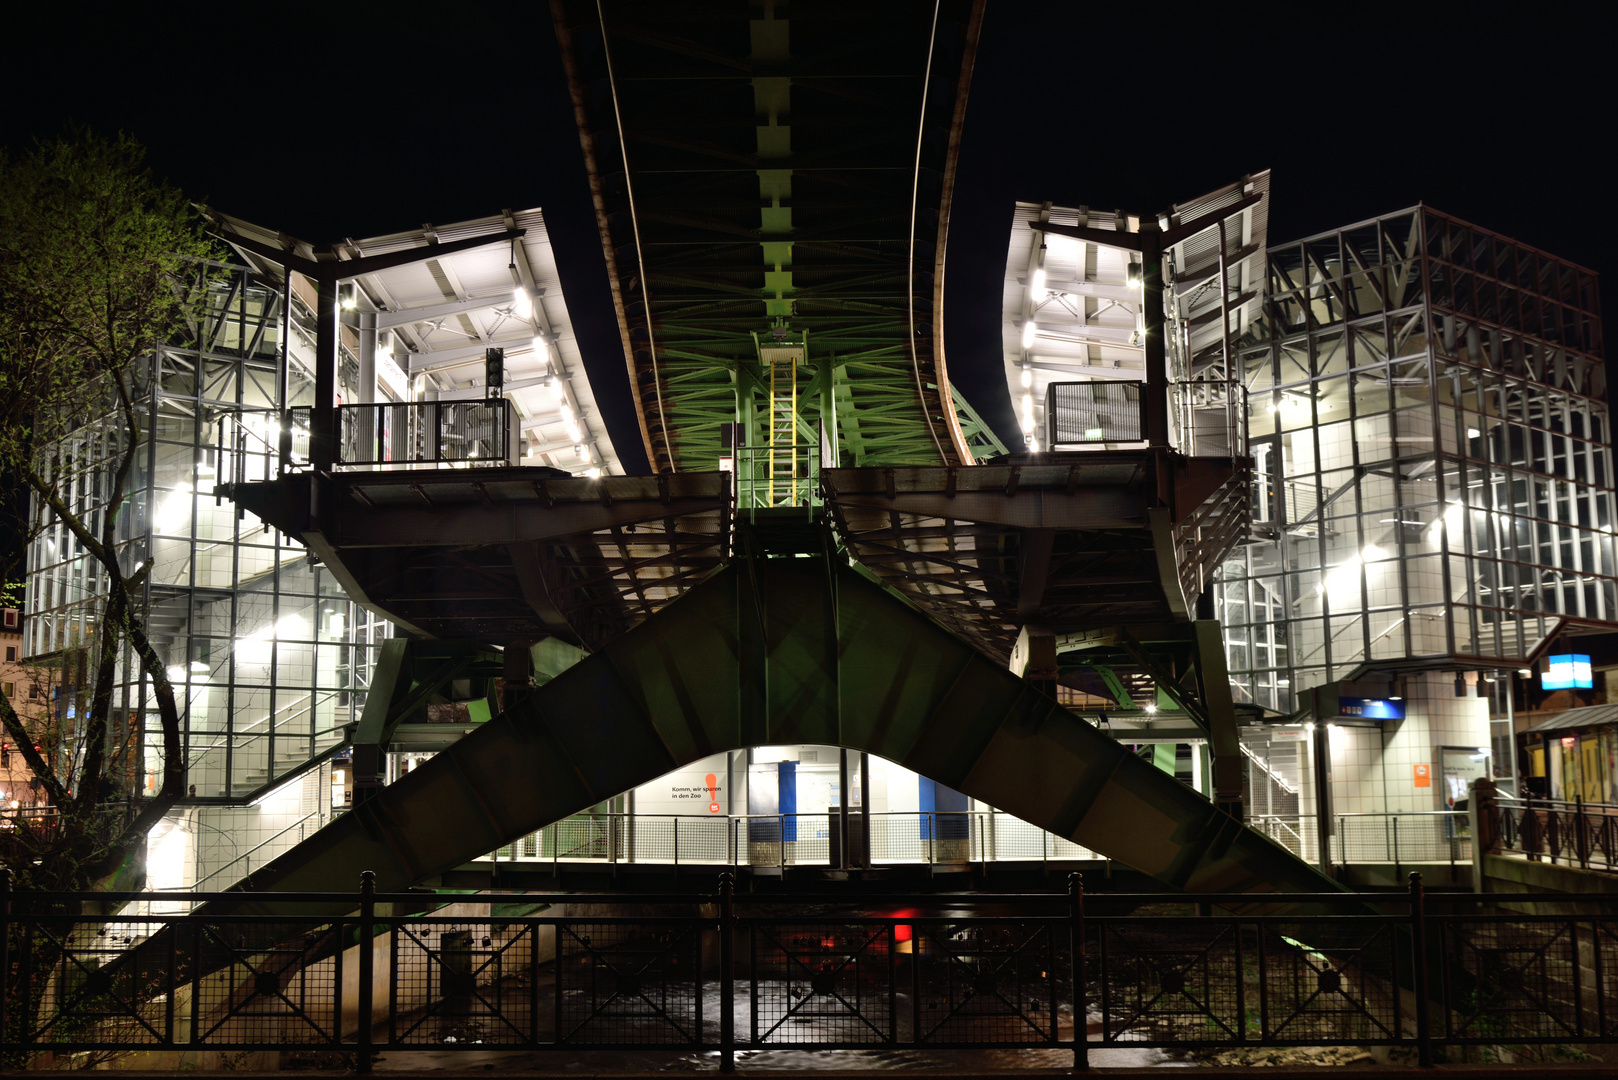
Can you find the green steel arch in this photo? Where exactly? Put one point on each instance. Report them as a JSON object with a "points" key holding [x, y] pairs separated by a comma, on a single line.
{"points": [[775, 651]]}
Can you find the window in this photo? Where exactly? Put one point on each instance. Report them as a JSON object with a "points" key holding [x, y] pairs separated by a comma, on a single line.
{"points": [[11, 654], [10, 689], [33, 693], [11, 616]]}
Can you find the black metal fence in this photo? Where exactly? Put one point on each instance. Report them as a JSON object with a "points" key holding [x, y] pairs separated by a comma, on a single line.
{"points": [[1577, 833], [727, 973], [410, 434]]}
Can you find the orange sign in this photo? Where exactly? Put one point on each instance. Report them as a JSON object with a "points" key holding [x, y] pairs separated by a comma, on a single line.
{"points": [[1424, 776]]}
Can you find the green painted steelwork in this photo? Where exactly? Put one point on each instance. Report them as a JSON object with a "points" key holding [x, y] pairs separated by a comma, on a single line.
{"points": [[774, 651], [773, 166], [980, 437]]}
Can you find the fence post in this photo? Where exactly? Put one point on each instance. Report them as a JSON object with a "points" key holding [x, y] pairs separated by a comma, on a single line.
{"points": [[1581, 838], [1081, 1015], [367, 972], [1418, 971], [727, 972], [5, 958]]}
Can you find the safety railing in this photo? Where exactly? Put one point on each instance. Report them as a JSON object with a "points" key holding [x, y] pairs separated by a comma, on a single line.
{"points": [[1578, 833], [1209, 418], [425, 433], [1094, 414], [1399, 839], [937, 838], [769, 476], [339, 977], [409, 435]]}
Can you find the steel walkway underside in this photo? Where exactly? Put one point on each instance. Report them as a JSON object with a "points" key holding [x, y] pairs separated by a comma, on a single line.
{"points": [[772, 651], [770, 165], [500, 555]]}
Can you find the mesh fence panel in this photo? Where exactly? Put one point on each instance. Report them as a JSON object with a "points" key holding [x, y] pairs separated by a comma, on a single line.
{"points": [[1093, 412], [1170, 980], [462, 983], [1329, 981], [91, 987], [629, 983], [1508, 980], [263, 982], [825, 984], [986, 982]]}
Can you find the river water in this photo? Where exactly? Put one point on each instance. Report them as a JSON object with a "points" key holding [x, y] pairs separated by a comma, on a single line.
{"points": [[462, 1057]]}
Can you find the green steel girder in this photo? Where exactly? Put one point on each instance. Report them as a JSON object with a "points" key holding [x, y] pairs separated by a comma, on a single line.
{"points": [[773, 651], [755, 166], [408, 675]]}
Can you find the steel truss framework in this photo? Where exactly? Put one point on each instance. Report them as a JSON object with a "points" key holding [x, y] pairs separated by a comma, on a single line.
{"points": [[1433, 458], [790, 171]]}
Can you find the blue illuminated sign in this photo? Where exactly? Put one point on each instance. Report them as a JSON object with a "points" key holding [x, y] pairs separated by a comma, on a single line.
{"points": [[1567, 671], [1371, 708]]}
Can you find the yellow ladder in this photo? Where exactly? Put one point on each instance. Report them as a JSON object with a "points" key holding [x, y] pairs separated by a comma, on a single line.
{"points": [[783, 427]]}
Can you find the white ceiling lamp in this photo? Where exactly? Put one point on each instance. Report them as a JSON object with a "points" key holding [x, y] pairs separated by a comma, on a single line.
{"points": [[542, 352], [523, 303], [1039, 279], [1028, 334], [1027, 378]]}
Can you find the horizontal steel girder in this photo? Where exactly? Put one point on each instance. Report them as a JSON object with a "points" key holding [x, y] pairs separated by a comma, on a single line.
{"points": [[773, 651]]}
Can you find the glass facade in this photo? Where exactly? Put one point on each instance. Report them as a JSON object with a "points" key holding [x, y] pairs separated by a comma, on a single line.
{"points": [[1433, 481], [269, 658]]}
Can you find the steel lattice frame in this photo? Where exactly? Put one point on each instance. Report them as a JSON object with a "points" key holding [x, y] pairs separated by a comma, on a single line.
{"points": [[759, 173]]}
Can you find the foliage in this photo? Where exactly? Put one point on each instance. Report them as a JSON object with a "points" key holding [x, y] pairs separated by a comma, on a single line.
{"points": [[101, 265]]}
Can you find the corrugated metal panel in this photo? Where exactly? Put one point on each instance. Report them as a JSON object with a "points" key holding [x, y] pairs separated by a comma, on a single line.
{"points": [[1588, 716]]}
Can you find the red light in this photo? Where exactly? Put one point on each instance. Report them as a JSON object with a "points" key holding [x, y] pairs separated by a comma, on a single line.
{"points": [[901, 932]]}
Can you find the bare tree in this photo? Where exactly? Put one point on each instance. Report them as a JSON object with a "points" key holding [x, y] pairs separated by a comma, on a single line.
{"points": [[101, 266]]}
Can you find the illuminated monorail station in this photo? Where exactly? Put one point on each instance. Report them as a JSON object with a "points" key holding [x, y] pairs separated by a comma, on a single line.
{"points": [[1288, 521]]}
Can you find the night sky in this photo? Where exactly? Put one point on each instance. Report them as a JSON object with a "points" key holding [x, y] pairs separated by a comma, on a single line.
{"points": [[327, 122]]}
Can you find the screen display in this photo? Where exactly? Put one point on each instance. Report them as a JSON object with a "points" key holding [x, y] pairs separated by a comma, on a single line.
{"points": [[1567, 671]]}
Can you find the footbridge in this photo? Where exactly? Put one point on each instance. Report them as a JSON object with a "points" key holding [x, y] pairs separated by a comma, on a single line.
{"points": [[831, 547]]}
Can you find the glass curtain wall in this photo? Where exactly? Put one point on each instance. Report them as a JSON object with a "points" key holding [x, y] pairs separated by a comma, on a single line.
{"points": [[1433, 473], [268, 656]]}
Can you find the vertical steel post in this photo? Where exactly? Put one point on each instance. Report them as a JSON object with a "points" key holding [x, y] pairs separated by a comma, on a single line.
{"points": [[1155, 347], [323, 416], [366, 972], [842, 809], [1418, 971], [1581, 836], [727, 972], [5, 961], [1081, 1014]]}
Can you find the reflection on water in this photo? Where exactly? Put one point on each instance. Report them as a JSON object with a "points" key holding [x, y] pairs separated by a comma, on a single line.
{"points": [[774, 1059]]}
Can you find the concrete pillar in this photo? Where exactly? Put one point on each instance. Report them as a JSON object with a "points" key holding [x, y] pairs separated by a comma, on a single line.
{"points": [[1483, 819]]}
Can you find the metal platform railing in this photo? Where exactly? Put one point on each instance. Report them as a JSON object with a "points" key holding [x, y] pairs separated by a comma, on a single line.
{"points": [[411, 435], [776, 840], [1399, 839], [523, 972], [1553, 830]]}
